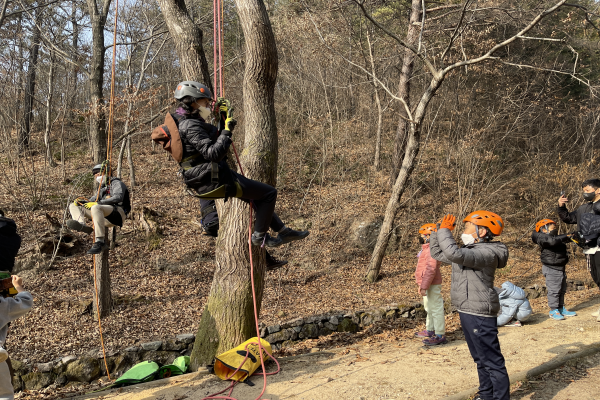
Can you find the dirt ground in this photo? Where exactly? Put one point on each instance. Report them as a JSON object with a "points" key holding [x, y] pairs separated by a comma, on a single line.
{"points": [[406, 370], [576, 380]]}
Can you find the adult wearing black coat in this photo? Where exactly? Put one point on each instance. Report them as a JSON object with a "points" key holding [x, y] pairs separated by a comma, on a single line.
{"points": [[10, 243], [205, 168], [591, 193]]}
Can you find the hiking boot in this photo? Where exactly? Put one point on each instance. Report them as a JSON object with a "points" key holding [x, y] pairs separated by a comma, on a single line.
{"points": [[567, 313], [555, 314], [435, 340], [78, 226], [289, 235], [514, 323], [425, 333], [266, 240], [273, 263], [97, 248]]}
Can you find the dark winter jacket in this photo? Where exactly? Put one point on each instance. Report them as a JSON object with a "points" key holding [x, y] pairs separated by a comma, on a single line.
{"points": [[10, 243], [590, 226], [473, 269], [553, 249], [210, 148], [116, 194], [575, 216]]}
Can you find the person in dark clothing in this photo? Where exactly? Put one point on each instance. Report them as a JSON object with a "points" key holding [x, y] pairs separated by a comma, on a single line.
{"points": [[205, 169], [10, 243], [591, 194], [554, 257], [210, 225], [109, 209]]}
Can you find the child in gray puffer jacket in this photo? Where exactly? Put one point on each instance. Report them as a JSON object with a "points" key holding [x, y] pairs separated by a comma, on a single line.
{"points": [[513, 305]]}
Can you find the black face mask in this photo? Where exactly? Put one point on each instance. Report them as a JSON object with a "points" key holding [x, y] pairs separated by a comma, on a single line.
{"points": [[589, 196], [553, 232]]}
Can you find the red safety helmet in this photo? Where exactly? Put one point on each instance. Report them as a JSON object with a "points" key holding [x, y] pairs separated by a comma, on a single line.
{"points": [[492, 221], [427, 229], [543, 223]]}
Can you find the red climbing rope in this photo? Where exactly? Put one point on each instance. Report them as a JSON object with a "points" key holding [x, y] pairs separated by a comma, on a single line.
{"points": [[218, 70]]}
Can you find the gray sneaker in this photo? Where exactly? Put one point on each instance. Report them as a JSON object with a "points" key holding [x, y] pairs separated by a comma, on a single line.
{"points": [[78, 226], [97, 248]]}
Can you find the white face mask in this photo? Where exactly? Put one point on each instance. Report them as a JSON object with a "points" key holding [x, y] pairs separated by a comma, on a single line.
{"points": [[204, 113], [99, 179], [467, 239]]}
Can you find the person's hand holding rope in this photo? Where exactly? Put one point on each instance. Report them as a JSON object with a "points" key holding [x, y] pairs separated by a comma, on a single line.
{"points": [[80, 201], [226, 110]]}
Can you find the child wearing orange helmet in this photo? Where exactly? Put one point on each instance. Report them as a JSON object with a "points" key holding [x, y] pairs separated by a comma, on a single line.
{"points": [[429, 282], [473, 268], [554, 258]]}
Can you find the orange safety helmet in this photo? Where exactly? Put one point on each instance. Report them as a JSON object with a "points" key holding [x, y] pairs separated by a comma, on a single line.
{"points": [[543, 223], [427, 229], [492, 221]]}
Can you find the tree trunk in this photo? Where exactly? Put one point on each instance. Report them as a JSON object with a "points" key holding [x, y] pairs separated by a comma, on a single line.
{"points": [[25, 128], [378, 102], [228, 317], [408, 164], [96, 77], [72, 75], [408, 62], [187, 37], [49, 112], [102, 284]]}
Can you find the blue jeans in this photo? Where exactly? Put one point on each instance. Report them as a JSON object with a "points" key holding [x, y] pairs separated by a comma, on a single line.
{"points": [[481, 334]]}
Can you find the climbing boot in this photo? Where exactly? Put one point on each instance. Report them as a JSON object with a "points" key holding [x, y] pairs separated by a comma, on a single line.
{"points": [[435, 340], [289, 235], [78, 226], [273, 263], [97, 248], [265, 239]]}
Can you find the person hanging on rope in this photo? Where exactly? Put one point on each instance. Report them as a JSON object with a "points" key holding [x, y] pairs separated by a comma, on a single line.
{"points": [[108, 208], [206, 172]]}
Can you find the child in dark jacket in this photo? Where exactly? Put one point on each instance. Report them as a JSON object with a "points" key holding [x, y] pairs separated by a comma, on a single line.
{"points": [[554, 257], [429, 280]]}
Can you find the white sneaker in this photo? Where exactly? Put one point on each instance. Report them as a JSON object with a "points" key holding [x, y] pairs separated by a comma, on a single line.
{"points": [[3, 354]]}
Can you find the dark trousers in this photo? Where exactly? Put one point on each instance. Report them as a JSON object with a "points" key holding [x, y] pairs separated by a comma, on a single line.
{"points": [[263, 197], [593, 264], [556, 282], [481, 334]]}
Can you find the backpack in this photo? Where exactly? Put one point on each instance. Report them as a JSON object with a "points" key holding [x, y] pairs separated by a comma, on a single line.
{"points": [[167, 135], [147, 371]]}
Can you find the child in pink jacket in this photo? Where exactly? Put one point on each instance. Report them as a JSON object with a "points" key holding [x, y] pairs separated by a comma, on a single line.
{"points": [[429, 280]]}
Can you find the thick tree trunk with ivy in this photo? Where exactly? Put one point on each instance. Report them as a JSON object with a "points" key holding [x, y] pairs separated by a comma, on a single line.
{"points": [[228, 318], [187, 37]]}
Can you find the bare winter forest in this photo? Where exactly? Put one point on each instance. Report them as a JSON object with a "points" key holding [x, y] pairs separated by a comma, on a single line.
{"points": [[386, 114]]}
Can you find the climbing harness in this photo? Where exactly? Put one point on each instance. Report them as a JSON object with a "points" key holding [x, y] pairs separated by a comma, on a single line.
{"points": [[218, 69]]}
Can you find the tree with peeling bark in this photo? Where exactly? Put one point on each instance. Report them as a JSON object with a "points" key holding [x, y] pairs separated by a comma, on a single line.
{"points": [[438, 65], [228, 317]]}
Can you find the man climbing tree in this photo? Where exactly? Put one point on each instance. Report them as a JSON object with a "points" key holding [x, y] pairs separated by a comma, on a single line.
{"points": [[106, 209]]}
